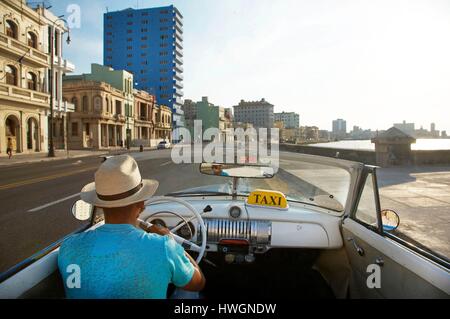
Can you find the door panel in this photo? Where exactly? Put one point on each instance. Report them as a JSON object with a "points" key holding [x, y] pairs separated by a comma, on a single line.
{"points": [[404, 273]]}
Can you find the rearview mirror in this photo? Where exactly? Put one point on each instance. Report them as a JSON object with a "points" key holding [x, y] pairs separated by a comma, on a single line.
{"points": [[390, 220], [236, 170], [82, 210]]}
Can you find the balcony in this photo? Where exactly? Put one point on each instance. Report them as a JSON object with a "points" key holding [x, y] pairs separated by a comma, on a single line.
{"points": [[178, 59], [178, 92], [22, 95], [178, 51], [178, 44], [178, 84], [179, 36], [34, 57], [178, 27], [179, 76], [64, 65], [179, 68], [178, 19], [178, 101]]}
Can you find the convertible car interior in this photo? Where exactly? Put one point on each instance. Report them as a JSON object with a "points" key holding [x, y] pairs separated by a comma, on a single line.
{"points": [[264, 243]]}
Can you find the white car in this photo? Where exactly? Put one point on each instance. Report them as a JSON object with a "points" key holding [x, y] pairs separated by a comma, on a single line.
{"points": [[312, 228], [163, 145]]}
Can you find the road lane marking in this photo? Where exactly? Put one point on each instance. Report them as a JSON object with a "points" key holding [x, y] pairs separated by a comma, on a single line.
{"points": [[53, 203], [45, 178], [166, 163]]}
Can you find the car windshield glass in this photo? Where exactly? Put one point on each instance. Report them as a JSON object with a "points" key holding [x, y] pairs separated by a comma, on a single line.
{"points": [[304, 182]]}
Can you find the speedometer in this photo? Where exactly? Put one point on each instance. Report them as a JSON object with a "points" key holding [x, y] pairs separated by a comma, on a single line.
{"points": [[186, 231]]}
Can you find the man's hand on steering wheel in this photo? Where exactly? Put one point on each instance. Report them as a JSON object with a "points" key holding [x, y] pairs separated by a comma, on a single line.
{"points": [[159, 230]]}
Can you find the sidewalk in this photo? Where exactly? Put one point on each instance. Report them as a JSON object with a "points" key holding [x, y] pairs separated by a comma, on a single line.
{"points": [[60, 155]]}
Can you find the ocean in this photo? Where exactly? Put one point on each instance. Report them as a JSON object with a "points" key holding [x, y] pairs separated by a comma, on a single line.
{"points": [[421, 144]]}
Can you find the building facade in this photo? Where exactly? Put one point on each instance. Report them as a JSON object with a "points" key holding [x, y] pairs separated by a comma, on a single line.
{"points": [[120, 80], [98, 121], [55, 27], [289, 119], [339, 130], [149, 43], [212, 116], [24, 61], [258, 113]]}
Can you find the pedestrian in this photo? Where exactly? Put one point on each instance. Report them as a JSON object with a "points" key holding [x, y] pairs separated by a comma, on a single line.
{"points": [[9, 148]]}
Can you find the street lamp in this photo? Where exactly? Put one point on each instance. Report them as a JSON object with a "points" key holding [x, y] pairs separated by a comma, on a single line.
{"points": [[51, 149]]}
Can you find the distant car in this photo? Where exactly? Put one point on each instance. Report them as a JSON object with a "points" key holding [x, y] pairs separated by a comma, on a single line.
{"points": [[163, 145]]}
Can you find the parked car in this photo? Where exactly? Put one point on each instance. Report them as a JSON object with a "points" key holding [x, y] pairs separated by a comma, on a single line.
{"points": [[163, 145]]}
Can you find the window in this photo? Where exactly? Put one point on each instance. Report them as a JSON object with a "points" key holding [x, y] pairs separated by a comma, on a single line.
{"points": [[367, 209], [130, 23], [144, 21], [85, 104], [74, 129], [144, 14], [129, 39], [11, 75], [144, 38], [129, 31], [144, 46], [129, 15], [11, 29], [32, 40], [144, 30], [129, 48], [31, 81], [129, 55], [75, 103], [118, 107]]}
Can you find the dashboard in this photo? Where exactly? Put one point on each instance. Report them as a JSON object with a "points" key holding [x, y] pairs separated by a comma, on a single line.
{"points": [[237, 229]]}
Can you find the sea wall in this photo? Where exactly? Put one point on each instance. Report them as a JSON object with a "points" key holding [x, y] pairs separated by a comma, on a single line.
{"points": [[366, 157], [431, 157]]}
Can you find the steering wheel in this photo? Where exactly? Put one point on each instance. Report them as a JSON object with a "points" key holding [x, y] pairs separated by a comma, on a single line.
{"points": [[196, 215]]}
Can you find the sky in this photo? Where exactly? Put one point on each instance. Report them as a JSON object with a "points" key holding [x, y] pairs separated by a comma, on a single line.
{"points": [[372, 63]]}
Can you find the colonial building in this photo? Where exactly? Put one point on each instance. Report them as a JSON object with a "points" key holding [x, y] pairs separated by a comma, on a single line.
{"points": [[163, 124], [98, 121], [24, 103], [118, 79], [56, 28], [145, 118]]}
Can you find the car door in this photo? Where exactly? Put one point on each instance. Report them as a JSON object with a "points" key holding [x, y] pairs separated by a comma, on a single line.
{"points": [[383, 265]]}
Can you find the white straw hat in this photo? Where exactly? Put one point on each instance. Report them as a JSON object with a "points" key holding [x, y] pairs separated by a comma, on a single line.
{"points": [[118, 183]]}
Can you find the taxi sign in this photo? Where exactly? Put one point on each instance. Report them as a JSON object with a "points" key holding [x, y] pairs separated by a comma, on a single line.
{"points": [[267, 198]]}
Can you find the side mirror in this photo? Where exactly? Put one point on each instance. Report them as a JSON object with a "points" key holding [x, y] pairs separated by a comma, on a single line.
{"points": [[390, 220], [82, 210]]}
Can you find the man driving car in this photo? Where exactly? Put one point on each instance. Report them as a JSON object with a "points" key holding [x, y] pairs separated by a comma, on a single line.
{"points": [[117, 259]]}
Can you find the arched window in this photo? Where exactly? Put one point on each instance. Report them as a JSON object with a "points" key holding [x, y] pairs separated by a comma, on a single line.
{"points": [[11, 75], [85, 104], [75, 103], [31, 81], [32, 40], [11, 29]]}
